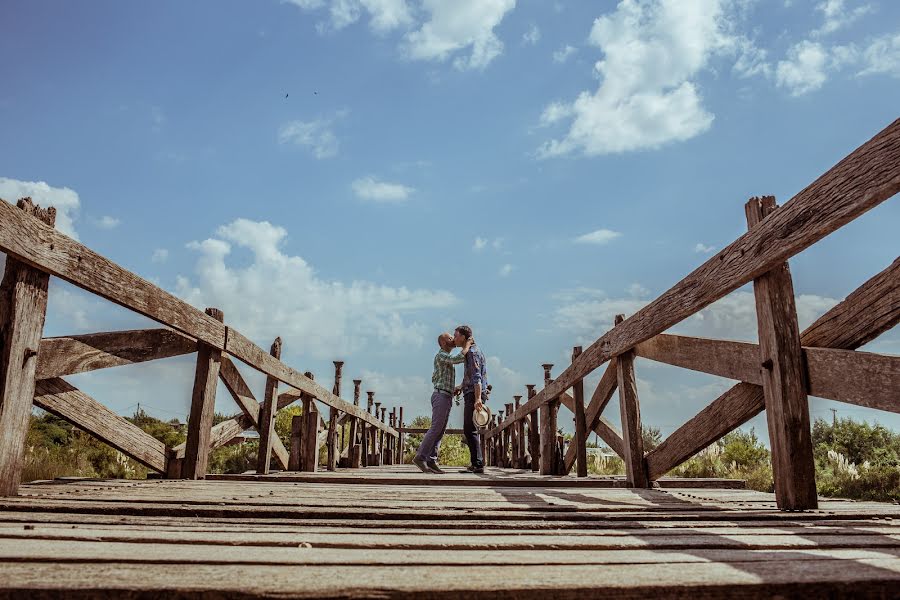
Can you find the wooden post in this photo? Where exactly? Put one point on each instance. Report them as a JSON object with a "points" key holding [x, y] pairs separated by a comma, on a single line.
{"points": [[508, 439], [297, 422], [534, 433], [784, 378], [548, 428], [400, 440], [581, 431], [354, 426], [309, 453], [630, 408], [333, 453], [23, 309], [381, 437], [368, 441], [203, 404], [267, 416], [520, 437]]}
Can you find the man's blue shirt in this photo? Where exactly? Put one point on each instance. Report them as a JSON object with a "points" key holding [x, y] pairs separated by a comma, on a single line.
{"points": [[475, 372]]}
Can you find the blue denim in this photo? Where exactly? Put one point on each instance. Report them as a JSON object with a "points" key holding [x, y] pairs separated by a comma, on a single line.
{"points": [[440, 413], [471, 431]]}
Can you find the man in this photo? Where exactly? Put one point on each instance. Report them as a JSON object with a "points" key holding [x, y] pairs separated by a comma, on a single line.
{"points": [[474, 389], [444, 380]]}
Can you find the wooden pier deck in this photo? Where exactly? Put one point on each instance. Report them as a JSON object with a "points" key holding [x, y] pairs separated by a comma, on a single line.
{"points": [[379, 533]]}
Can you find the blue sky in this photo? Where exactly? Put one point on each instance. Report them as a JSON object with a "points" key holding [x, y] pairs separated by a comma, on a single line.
{"points": [[358, 175]]}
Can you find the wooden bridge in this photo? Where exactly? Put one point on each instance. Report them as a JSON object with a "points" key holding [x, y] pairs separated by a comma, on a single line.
{"points": [[370, 526]]}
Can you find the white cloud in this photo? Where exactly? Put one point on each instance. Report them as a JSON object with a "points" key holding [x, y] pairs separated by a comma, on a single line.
{"points": [[837, 15], [160, 255], [369, 188], [384, 15], [652, 52], [479, 244], [804, 69], [107, 222], [703, 248], [506, 270], [599, 237], [278, 294], [882, 56], [316, 135], [456, 26], [563, 54], [65, 200], [532, 36]]}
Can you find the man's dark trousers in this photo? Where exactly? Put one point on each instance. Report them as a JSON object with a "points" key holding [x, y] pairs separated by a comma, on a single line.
{"points": [[471, 432]]}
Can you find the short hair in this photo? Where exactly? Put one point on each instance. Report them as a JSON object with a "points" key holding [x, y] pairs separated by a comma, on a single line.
{"points": [[465, 330]]}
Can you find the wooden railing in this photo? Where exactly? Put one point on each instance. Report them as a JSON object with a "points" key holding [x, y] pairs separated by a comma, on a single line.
{"points": [[775, 375], [32, 368]]}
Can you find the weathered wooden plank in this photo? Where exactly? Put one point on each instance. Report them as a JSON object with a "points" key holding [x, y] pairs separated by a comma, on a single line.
{"points": [[203, 401], [581, 430], [220, 434], [865, 178], [784, 377], [310, 453], [67, 402], [549, 413], [331, 461], [61, 356], [868, 311], [734, 360], [267, 411], [23, 308], [251, 354], [860, 378], [630, 408], [297, 423], [41, 246]]}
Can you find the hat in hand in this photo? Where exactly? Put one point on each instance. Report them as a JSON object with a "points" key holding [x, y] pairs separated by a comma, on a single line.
{"points": [[482, 416]]}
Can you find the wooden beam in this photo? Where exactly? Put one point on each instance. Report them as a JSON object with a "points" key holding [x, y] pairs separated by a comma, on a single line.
{"points": [[865, 178], [581, 430], [65, 401], [203, 401], [23, 308], [44, 248], [297, 423], [219, 435], [868, 311], [630, 408], [61, 356], [610, 434], [734, 360], [534, 432], [267, 410], [784, 377], [332, 442], [251, 354], [245, 400], [549, 412], [310, 438]]}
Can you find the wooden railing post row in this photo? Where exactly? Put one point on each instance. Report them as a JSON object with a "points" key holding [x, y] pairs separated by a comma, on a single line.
{"points": [[368, 441], [267, 416], [333, 452], [548, 428], [534, 432], [203, 402], [23, 310], [518, 437], [391, 447], [630, 409], [784, 378], [581, 431]]}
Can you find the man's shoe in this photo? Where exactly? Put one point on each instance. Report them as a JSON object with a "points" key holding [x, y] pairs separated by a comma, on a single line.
{"points": [[478, 470], [423, 466], [467, 469], [434, 467]]}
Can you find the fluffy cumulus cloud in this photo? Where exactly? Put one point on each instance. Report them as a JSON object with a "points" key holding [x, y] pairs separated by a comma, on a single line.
{"points": [[804, 69], [463, 30], [375, 190], [383, 15], [274, 294], [316, 136], [598, 237], [652, 52], [837, 15], [63, 199], [703, 248], [564, 53]]}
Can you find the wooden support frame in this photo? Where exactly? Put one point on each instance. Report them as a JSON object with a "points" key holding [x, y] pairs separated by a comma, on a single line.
{"points": [[534, 432], [548, 428], [23, 309], [630, 408], [784, 378], [593, 419], [581, 430], [267, 411], [332, 443], [203, 400]]}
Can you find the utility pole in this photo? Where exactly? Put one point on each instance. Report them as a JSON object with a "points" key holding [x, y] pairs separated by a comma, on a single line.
{"points": [[833, 417]]}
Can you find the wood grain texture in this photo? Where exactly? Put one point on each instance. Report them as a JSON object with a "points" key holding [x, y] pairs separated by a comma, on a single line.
{"points": [[783, 376], [630, 408], [71, 404], [41, 246], [203, 401], [267, 410], [252, 355], [581, 430], [734, 360], [865, 178], [59, 356], [297, 423], [871, 309], [23, 308], [243, 397], [310, 439], [861, 378]]}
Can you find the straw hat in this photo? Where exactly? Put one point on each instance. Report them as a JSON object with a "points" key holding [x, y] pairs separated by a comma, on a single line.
{"points": [[482, 416]]}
